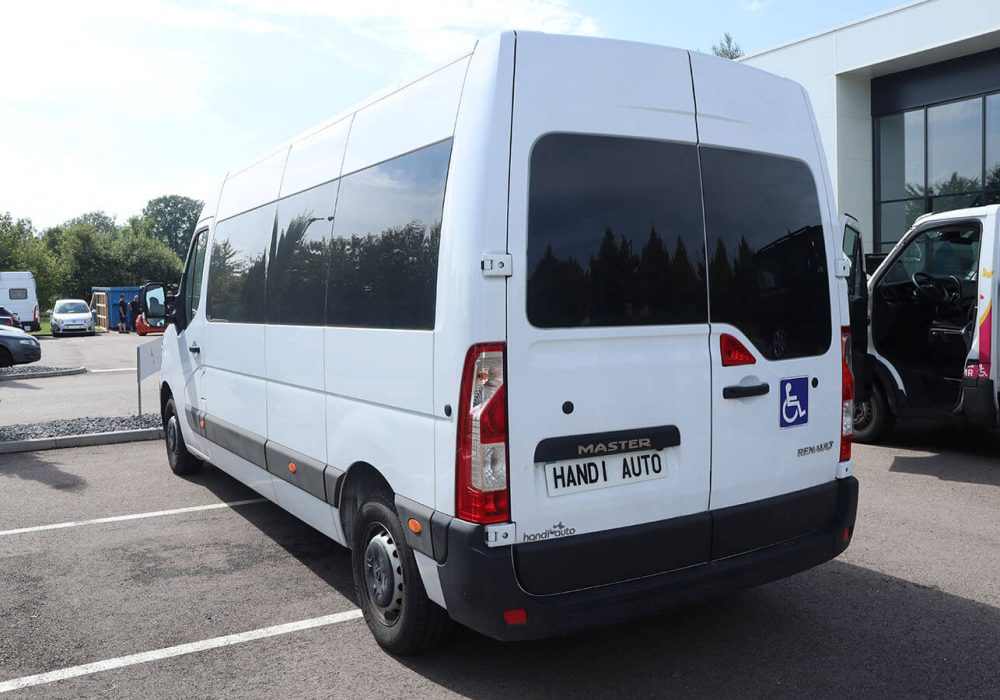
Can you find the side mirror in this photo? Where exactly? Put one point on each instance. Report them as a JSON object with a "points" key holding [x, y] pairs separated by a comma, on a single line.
{"points": [[156, 304]]}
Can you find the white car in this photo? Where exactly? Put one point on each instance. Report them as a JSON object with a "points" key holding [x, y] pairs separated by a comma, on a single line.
{"points": [[547, 348], [71, 316]]}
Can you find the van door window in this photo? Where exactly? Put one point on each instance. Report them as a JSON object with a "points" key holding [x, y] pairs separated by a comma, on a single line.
{"points": [[855, 253], [237, 268], [192, 293], [615, 233], [767, 262], [18, 294]]}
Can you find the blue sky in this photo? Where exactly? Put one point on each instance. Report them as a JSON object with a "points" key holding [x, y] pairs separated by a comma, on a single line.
{"points": [[108, 103]]}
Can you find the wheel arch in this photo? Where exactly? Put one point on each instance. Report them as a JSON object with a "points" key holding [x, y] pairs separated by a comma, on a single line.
{"points": [[357, 484]]}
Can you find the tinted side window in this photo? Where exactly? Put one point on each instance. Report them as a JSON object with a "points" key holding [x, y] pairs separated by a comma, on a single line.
{"points": [[384, 252], [614, 233], [195, 274], [236, 271], [300, 257], [18, 293], [767, 263]]}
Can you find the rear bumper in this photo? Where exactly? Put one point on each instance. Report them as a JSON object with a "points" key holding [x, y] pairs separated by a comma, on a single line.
{"points": [[479, 583], [24, 354]]}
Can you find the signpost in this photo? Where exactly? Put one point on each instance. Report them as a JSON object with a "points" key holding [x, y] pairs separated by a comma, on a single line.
{"points": [[148, 358]]}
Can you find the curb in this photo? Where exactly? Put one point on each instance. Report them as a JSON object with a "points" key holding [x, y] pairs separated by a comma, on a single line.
{"points": [[42, 375], [85, 440]]}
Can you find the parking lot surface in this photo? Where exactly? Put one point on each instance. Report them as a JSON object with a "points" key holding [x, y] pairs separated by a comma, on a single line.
{"points": [[912, 608], [107, 389]]}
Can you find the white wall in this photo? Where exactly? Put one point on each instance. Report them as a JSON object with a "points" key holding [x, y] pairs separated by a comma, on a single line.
{"points": [[836, 68]]}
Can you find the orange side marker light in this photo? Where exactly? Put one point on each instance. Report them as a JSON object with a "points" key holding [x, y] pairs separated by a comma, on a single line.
{"points": [[292, 468], [415, 525]]}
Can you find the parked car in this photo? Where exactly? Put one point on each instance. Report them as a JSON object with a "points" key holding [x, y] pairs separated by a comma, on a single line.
{"points": [[9, 318], [146, 327], [933, 326], [17, 347], [71, 316], [17, 293], [541, 365]]}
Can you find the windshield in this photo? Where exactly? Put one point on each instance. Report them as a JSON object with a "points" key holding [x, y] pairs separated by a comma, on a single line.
{"points": [[946, 252], [72, 307]]}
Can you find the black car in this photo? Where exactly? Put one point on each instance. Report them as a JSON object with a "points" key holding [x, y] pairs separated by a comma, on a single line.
{"points": [[17, 347], [9, 318]]}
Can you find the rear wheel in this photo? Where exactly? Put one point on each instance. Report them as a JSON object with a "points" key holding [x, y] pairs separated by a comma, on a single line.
{"points": [[399, 614], [181, 461], [873, 418], [5, 358]]}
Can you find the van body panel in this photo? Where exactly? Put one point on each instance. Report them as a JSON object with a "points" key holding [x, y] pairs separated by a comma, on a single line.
{"points": [[621, 378], [248, 189], [316, 158], [25, 307], [426, 107], [471, 308], [753, 457]]}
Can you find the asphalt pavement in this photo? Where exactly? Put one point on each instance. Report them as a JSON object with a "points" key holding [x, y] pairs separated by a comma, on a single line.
{"points": [[107, 389], [911, 609]]}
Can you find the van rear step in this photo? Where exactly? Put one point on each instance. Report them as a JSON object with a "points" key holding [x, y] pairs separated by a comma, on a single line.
{"points": [[611, 556]]}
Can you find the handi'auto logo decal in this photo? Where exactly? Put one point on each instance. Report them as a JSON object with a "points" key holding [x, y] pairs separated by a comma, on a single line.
{"points": [[557, 530]]}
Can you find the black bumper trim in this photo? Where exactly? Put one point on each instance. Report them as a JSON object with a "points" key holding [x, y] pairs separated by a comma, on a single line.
{"points": [[479, 582]]}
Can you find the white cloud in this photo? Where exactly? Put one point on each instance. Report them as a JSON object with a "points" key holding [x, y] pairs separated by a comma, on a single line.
{"points": [[753, 6]]}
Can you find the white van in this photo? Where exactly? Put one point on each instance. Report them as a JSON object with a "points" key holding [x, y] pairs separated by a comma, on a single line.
{"points": [[932, 328], [17, 293], [550, 338]]}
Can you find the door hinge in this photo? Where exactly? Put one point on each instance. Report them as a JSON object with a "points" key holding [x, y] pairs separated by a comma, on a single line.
{"points": [[500, 534], [841, 267], [496, 265]]}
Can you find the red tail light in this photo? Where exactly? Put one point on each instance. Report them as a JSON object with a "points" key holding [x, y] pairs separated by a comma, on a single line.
{"points": [[36, 313], [734, 352], [847, 395], [482, 494]]}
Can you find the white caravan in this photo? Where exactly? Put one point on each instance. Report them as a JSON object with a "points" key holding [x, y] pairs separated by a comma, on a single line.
{"points": [[933, 329], [17, 293], [550, 338]]}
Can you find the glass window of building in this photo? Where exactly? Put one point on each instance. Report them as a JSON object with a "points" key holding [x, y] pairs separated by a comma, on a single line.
{"points": [[993, 147], [955, 147], [901, 165]]}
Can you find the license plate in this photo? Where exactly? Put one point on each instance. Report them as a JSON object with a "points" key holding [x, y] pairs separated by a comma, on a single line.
{"points": [[590, 473]]}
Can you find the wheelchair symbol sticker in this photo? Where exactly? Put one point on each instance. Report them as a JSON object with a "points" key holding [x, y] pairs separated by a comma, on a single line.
{"points": [[794, 397]]}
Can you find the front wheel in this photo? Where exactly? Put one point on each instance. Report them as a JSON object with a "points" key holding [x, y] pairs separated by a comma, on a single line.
{"points": [[873, 418], [399, 614], [181, 461]]}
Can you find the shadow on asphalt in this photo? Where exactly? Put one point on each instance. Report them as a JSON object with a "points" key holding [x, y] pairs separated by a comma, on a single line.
{"points": [[837, 630], [16, 384], [321, 555], [33, 466], [977, 449]]}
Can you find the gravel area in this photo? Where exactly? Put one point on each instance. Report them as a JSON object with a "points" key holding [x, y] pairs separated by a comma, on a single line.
{"points": [[78, 426], [21, 370]]}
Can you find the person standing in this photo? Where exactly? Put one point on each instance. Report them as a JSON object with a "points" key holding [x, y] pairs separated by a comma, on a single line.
{"points": [[133, 312], [122, 315]]}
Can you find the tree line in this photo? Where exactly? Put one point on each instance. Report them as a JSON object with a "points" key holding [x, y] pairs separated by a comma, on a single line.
{"points": [[93, 250]]}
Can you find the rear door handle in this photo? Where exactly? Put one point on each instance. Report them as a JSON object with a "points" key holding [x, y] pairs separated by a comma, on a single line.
{"points": [[193, 347], [742, 392]]}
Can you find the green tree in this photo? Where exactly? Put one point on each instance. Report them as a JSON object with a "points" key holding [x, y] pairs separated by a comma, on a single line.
{"points": [[21, 249], [727, 47], [85, 254], [98, 219], [173, 219]]}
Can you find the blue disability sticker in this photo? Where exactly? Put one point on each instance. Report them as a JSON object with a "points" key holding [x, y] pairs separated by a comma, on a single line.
{"points": [[794, 398]]}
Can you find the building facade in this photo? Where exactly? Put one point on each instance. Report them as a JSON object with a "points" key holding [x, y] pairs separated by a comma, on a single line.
{"points": [[908, 107]]}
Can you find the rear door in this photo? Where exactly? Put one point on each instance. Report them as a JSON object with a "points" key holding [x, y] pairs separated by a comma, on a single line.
{"points": [[857, 299], [776, 408], [608, 366]]}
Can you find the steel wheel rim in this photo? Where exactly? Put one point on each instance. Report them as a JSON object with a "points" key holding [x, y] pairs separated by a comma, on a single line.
{"points": [[864, 414], [172, 435], [383, 574]]}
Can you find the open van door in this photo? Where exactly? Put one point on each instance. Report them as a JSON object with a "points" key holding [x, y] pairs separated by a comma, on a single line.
{"points": [[857, 295]]}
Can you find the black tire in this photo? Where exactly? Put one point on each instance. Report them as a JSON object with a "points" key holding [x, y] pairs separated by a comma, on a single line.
{"points": [[401, 617], [5, 359], [181, 461], [873, 418]]}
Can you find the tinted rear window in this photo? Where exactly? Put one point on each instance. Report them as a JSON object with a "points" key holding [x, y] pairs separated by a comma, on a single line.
{"points": [[614, 233], [18, 293], [767, 263], [237, 267]]}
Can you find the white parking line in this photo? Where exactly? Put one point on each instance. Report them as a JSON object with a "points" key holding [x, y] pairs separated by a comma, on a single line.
{"points": [[134, 516], [119, 369], [179, 650]]}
